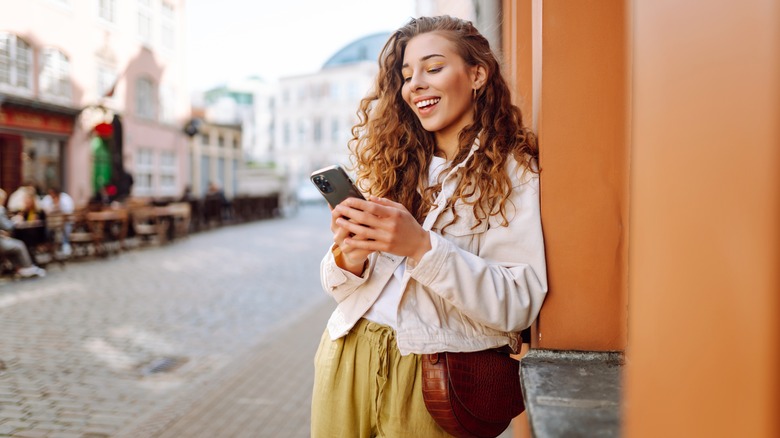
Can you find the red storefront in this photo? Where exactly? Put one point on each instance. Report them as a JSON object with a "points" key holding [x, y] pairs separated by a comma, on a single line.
{"points": [[33, 138]]}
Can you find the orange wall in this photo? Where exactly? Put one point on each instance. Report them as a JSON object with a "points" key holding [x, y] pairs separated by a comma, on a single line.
{"points": [[703, 356], [584, 158]]}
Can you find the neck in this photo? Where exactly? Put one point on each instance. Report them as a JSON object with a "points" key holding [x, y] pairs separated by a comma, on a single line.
{"points": [[447, 145]]}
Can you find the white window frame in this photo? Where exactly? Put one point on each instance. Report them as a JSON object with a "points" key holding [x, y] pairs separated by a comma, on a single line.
{"points": [[18, 62], [168, 25], [106, 77], [145, 22], [106, 11], [54, 78], [168, 172], [145, 98], [143, 178]]}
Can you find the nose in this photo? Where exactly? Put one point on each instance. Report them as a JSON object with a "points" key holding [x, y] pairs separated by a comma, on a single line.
{"points": [[417, 82]]}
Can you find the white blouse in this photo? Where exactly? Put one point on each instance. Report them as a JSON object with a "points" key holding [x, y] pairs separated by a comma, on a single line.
{"points": [[385, 308]]}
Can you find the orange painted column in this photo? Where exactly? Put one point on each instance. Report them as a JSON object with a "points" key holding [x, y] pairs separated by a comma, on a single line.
{"points": [[584, 155], [704, 350]]}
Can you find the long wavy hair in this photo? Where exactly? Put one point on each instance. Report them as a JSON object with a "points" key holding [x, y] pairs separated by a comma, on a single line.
{"points": [[392, 151]]}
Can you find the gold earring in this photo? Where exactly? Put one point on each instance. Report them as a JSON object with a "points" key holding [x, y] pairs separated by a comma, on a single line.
{"points": [[474, 94]]}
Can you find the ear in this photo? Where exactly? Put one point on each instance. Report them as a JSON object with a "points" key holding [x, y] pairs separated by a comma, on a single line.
{"points": [[479, 76]]}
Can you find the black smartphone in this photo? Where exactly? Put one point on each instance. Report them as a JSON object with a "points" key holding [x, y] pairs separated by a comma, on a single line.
{"points": [[335, 184]]}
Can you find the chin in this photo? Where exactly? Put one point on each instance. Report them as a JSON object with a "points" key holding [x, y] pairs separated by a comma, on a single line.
{"points": [[430, 126]]}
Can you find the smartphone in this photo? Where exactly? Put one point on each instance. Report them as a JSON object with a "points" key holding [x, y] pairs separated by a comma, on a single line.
{"points": [[335, 184]]}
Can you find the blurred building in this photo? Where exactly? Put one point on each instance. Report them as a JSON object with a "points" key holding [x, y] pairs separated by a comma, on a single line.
{"points": [[485, 14], [315, 113], [248, 103], [92, 93], [240, 110], [215, 156]]}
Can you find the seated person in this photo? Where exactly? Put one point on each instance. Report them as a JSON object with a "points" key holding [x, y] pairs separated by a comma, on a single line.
{"points": [[57, 201], [30, 213], [19, 197], [15, 250]]}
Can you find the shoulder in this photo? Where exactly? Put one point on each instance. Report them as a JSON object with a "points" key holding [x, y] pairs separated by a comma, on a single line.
{"points": [[523, 173]]}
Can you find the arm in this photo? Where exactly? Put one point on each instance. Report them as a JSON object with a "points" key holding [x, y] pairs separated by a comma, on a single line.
{"points": [[6, 224], [338, 282], [504, 285]]}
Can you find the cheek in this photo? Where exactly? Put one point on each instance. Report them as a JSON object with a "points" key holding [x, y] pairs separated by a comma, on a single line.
{"points": [[406, 96], [405, 93]]}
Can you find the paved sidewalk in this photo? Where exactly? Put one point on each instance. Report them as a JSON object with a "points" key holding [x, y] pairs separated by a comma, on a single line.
{"points": [[267, 393]]}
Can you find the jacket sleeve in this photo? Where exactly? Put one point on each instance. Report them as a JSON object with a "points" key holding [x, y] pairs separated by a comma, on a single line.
{"points": [[6, 224], [340, 283], [504, 284]]}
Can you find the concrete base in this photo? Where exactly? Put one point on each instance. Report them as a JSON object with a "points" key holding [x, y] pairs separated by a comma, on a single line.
{"points": [[572, 393]]}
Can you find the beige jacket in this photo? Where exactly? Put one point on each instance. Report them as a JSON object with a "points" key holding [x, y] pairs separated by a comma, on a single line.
{"points": [[477, 288]]}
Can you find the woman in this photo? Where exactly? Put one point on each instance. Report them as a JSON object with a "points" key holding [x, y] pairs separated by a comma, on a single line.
{"points": [[447, 253]]}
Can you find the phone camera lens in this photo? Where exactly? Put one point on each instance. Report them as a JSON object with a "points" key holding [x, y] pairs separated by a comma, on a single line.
{"points": [[325, 186]]}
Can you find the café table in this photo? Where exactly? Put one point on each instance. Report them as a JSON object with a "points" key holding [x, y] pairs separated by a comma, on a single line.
{"points": [[109, 225], [32, 233]]}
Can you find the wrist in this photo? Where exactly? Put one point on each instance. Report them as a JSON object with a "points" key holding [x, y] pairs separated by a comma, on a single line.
{"points": [[425, 246], [343, 262]]}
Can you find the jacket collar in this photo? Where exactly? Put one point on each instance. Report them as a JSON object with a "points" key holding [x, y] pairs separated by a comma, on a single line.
{"points": [[448, 186]]}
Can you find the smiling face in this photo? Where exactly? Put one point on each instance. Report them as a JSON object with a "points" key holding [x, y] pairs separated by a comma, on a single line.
{"points": [[438, 87]]}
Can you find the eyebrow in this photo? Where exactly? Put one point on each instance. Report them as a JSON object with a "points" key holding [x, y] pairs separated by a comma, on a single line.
{"points": [[424, 58]]}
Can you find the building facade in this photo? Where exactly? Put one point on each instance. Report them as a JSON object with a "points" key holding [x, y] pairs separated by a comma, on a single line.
{"points": [[314, 113], [215, 158], [249, 103], [91, 92]]}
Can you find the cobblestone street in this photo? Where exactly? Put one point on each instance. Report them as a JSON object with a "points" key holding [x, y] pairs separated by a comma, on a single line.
{"points": [[105, 347]]}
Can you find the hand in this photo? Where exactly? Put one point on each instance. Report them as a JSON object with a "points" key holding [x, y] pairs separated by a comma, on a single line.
{"points": [[346, 256], [380, 225]]}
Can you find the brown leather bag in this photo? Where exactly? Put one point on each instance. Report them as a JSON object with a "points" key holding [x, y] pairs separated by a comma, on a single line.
{"points": [[472, 394]]}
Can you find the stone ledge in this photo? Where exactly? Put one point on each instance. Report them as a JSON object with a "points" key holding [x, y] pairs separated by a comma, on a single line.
{"points": [[572, 393]]}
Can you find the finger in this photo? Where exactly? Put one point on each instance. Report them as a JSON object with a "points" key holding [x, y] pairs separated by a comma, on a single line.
{"points": [[386, 202], [355, 203], [354, 228]]}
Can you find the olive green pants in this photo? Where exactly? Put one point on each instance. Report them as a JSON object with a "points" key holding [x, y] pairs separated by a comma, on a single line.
{"points": [[363, 387]]}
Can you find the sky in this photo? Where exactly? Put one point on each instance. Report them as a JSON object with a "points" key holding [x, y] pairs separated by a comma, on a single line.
{"points": [[233, 39]]}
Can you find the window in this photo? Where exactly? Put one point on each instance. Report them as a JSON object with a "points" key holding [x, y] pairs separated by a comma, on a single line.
{"points": [[205, 173], [301, 132], [334, 130], [144, 167], [168, 172], [42, 161], [145, 21], [220, 141], [106, 78], [168, 26], [352, 91], [107, 10], [15, 62], [55, 74], [145, 104], [204, 139], [167, 100], [317, 130], [335, 91], [286, 133]]}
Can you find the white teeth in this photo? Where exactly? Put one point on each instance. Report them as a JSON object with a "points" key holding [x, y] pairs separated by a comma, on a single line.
{"points": [[427, 102]]}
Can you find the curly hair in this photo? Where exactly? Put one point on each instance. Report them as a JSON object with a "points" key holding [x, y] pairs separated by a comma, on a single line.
{"points": [[392, 151]]}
